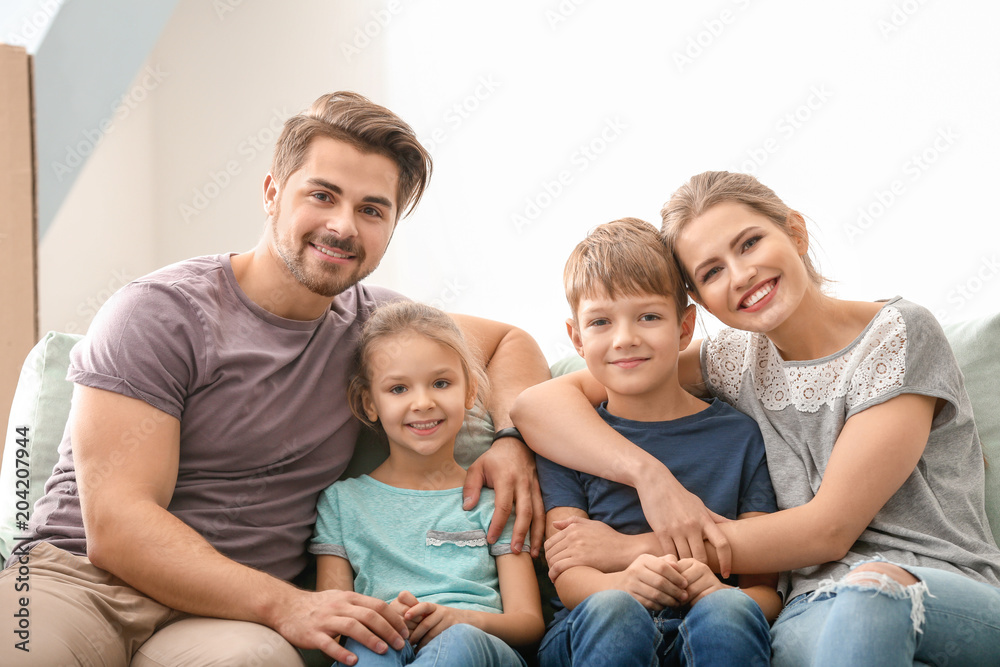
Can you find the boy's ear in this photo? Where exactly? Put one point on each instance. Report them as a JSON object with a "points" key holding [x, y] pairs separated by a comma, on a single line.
{"points": [[798, 232], [369, 405], [687, 325], [574, 335]]}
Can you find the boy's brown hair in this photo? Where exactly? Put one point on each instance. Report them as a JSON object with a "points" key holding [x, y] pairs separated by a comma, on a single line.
{"points": [[624, 257]]}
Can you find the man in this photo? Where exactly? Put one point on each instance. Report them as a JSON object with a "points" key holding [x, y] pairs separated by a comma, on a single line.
{"points": [[209, 411]]}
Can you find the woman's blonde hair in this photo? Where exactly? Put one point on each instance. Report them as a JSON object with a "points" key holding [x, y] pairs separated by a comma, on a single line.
{"points": [[709, 188], [408, 317]]}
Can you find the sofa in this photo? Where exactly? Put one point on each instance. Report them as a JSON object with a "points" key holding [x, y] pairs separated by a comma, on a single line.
{"points": [[42, 401]]}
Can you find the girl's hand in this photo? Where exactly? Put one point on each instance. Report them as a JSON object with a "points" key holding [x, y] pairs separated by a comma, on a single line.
{"points": [[701, 579], [431, 620], [403, 602], [655, 582]]}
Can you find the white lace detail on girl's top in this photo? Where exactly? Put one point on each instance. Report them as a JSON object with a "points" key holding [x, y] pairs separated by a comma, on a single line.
{"points": [[871, 367], [465, 538]]}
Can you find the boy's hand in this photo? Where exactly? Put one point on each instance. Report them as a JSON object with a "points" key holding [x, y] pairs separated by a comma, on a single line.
{"points": [[403, 602], [582, 541], [701, 579], [655, 582], [431, 620]]}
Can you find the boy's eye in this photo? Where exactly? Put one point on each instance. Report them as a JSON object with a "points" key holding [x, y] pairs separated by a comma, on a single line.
{"points": [[649, 317], [599, 322], [442, 384], [398, 389]]}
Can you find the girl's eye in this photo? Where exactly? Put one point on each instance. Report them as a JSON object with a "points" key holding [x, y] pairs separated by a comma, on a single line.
{"points": [[398, 389], [442, 384]]}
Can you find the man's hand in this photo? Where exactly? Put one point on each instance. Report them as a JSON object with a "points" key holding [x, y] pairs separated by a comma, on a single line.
{"points": [[432, 619], [680, 519], [313, 620], [582, 541], [655, 582], [509, 468], [701, 579]]}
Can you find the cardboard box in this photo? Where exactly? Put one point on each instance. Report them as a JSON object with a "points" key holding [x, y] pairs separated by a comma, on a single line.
{"points": [[18, 235]]}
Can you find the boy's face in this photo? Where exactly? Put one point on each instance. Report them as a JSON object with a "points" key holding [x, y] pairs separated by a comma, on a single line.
{"points": [[631, 343]]}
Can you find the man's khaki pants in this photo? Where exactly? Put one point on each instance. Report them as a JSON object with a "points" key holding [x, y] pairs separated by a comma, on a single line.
{"points": [[66, 611]]}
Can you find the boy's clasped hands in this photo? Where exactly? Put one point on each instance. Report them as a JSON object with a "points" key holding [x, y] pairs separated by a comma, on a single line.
{"points": [[655, 582]]}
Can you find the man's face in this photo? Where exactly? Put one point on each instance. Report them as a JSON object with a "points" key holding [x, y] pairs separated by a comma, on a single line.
{"points": [[332, 221]]}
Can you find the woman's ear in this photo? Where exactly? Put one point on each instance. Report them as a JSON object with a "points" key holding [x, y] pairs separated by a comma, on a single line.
{"points": [[694, 297], [798, 232]]}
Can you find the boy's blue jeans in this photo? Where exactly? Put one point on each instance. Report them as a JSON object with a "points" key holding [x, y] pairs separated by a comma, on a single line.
{"points": [[611, 628], [458, 646], [944, 619]]}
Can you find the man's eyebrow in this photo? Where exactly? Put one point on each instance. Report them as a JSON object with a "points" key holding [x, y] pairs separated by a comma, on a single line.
{"points": [[732, 244], [371, 199]]}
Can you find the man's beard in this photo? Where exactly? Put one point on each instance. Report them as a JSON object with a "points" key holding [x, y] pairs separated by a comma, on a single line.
{"points": [[326, 283]]}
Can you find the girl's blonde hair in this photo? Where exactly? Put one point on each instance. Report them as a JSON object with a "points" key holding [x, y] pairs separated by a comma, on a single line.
{"points": [[408, 317], [709, 188]]}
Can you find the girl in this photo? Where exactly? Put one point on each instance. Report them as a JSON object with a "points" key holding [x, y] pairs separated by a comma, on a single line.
{"points": [[871, 445], [400, 534]]}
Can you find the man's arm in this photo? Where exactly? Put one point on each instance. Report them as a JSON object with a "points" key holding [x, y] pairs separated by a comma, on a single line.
{"points": [[562, 410], [513, 363], [126, 454]]}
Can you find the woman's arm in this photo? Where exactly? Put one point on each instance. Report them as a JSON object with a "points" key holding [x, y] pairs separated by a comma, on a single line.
{"points": [[561, 411], [876, 451], [520, 623]]}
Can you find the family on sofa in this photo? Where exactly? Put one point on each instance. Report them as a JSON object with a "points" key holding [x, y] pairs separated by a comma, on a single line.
{"points": [[218, 399]]}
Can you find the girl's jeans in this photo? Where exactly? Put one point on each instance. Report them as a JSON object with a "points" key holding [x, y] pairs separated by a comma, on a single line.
{"points": [[945, 619], [458, 646], [612, 628]]}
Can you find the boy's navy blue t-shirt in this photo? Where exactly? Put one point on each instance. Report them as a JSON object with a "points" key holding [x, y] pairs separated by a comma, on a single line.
{"points": [[716, 454]]}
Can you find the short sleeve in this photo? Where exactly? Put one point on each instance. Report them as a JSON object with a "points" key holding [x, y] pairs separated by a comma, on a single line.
{"points": [[756, 492], [561, 486], [144, 343], [328, 536], [906, 352]]}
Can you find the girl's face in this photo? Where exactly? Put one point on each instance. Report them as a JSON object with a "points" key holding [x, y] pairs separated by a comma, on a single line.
{"points": [[746, 270], [418, 392]]}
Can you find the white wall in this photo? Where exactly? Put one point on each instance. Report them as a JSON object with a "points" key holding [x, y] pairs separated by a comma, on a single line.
{"points": [[829, 104]]}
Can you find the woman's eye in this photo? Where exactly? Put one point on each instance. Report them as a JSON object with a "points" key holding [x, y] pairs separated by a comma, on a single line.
{"points": [[750, 242], [711, 272]]}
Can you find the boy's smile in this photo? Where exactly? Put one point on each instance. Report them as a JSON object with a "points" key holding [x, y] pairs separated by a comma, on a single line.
{"points": [[631, 344]]}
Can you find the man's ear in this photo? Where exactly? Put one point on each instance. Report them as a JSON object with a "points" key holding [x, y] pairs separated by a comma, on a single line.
{"points": [[369, 405], [270, 194], [687, 325], [574, 335], [798, 232]]}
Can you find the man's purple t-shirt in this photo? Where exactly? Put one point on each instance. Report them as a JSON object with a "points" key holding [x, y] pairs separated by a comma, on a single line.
{"points": [[261, 400]]}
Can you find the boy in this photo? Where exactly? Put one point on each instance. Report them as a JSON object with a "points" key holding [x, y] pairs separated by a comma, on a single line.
{"points": [[630, 321]]}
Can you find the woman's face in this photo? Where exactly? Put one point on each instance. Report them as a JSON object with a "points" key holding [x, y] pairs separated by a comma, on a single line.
{"points": [[745, 269]]}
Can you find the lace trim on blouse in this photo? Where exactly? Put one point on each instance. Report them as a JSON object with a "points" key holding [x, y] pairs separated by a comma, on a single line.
{"points": [[871, 366], [465, 538]]}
